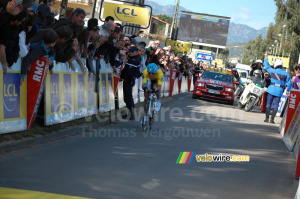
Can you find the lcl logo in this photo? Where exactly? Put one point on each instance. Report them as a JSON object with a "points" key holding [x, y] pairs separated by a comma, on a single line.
{"points": [[125, 14], [180, 45], [126, 11]]}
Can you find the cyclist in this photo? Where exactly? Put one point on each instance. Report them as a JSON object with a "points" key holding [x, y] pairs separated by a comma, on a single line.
{"points": [[155, 74]]}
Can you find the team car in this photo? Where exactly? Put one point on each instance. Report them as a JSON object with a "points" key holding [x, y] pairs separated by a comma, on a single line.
{"points": [[215, 84]]}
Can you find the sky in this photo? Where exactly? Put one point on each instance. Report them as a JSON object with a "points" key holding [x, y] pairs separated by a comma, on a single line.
{"points": [[254, 13]]}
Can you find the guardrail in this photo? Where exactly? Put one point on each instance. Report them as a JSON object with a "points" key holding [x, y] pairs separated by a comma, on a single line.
{"points": [[69, 95]]}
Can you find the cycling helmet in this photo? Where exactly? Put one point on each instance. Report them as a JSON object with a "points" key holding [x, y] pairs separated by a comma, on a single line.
{"points": [[258, 61], [152, 68], [278, 63], [257, 72]]}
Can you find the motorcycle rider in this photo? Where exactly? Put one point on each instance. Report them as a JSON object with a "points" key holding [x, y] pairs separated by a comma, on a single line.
{"points": [[257, 65], [257, 78], [279, 78]]}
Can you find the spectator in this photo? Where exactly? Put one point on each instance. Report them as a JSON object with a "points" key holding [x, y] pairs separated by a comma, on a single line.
{"points": [[44, 48], [109, 19], [297, 78], [12, 49], [23, 37], [83, 40], [77, 17], [48, 22], [8, 9], [64, 47], [44, 11]]}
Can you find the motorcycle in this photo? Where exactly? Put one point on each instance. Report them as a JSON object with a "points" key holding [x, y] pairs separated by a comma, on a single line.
{"points": [[251, 95], [239, 90]]}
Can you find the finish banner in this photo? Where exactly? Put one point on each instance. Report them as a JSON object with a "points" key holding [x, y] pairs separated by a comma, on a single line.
{"points": [[172, 81], [190, 77], [35, 78], [179, 82], [117, 78]]}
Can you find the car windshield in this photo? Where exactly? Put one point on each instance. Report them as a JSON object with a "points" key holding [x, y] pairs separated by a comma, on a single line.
{"points": [[243, 74], [217, 76]]}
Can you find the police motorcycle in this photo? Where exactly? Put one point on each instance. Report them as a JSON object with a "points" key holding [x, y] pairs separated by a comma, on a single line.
{"points": [[252, 93]]}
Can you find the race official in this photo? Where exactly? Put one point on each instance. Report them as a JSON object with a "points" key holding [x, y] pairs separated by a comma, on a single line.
{"points": [[279, 78]]}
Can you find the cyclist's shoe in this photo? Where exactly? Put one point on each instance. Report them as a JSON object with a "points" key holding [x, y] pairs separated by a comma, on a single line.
{"points": [[158, 104], [144, 120]]}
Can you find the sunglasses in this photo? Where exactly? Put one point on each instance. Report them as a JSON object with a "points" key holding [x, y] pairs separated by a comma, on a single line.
{"points": [[297, 69], [126, 40]]}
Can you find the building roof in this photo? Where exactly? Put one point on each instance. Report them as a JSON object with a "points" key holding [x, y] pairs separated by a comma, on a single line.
{"points": [[157, 19]]}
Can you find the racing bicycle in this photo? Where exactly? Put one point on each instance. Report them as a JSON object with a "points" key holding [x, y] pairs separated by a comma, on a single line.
{"points": [[149, 110]]}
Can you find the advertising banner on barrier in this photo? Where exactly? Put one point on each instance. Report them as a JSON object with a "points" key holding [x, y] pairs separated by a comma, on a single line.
{"points": [[106, 94], [180, 76], [283, 123], [293, 103], [35, 78], [190, 77], [172, 81], [117, 78], [13, 100], [282, 103], [166, 84]]}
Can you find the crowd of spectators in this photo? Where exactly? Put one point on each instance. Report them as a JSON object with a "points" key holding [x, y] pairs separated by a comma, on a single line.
{"points": [[29, 31]]}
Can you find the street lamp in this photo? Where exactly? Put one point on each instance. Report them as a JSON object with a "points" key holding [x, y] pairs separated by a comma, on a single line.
{"points": [[276, 47], [279, 35], [284, 26]]}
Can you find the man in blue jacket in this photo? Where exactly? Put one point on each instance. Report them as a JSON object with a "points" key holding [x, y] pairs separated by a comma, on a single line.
{"points": [[279, 78]]}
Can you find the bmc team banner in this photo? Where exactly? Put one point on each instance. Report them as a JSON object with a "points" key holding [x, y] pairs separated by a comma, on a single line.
{"points": [[125, 13], [179, 45], [13, 100], [285, 60], [35, 78]]}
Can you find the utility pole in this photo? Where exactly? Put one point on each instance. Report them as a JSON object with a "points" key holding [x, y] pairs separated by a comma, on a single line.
{"points": [[174, 22]]}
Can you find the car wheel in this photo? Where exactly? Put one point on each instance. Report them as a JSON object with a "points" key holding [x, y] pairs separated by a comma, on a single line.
{"points": [[231, 103], [194, 96]]}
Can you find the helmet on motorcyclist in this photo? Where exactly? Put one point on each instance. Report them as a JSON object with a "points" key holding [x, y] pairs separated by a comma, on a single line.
{"points": [[258, 61], [257, 72], [278, 63], [152, 68]]}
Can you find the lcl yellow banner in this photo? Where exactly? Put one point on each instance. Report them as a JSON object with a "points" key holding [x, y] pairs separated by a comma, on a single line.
{"points": [[126, 13], [285, 60], [179, 46], [219, 63]]}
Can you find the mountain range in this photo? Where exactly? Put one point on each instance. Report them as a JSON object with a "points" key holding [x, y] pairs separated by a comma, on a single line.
{"points": [[237, 34]]}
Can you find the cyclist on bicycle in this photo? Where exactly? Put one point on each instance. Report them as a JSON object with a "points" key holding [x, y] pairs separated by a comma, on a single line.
{"points": [[156, 75]]}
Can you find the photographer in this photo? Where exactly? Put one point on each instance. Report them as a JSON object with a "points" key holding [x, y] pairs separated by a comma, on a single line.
{"points": [[257, 65]]}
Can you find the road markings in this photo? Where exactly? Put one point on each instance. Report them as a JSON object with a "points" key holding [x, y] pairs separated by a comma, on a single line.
{"points": [[9, 193]]}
